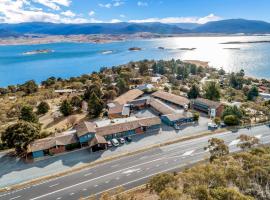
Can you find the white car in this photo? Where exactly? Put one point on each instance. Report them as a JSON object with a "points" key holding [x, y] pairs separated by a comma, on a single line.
{"points": [[121, 140], [212, 126], [115, 142]]}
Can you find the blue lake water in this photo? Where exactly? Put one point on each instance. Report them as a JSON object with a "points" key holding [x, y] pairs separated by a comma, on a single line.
{"points": [[74, 59]]}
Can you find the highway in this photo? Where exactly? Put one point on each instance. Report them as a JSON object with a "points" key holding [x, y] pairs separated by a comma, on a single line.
{"points": [[130, 171]]}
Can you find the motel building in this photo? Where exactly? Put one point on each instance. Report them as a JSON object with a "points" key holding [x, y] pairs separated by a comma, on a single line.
{"points": [[97, 134]]}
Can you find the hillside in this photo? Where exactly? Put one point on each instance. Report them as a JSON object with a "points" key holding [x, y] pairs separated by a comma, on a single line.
{"points": [[102, 28], [234, 26]]}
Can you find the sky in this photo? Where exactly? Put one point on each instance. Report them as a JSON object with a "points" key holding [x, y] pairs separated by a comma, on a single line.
{"points": [[112, 11]]}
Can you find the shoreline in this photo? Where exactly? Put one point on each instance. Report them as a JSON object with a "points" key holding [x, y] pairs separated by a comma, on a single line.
{"points": [[101, 38]]}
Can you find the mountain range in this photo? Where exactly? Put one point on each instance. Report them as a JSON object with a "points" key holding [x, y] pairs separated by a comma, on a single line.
{"points": [[230, 26]]}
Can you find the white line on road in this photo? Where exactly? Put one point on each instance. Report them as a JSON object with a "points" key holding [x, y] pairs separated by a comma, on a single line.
{"points": [[71, 194], [234, 142], [107, 182], [115, 165], [81, 183], [84, 189], [15, 198], [54, 185], [96, 186], [188, 153], [88, 174]]}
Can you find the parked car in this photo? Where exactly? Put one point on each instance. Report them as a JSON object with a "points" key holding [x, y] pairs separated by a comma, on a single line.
{"points": [[212, 126], [121, 140], [177, 127], [109, 144], [115, 142], [128, 139], [222, 125]]}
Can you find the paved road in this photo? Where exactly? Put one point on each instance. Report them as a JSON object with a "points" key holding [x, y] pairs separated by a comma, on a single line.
{"points": [[130, 171]]}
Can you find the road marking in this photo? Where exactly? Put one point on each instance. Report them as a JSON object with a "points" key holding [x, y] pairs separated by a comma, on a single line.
{"points": [[59, 198], [84, 189], [15, 197], [107, 182], [71, 194], [175, 160], [81, 183], [54, 185], [115, 165], [130, 171], [157, 165], [234, 142], [128, 174], [96, 186], [88, 174], [147, 168], [188, 153], [117, 178], [166, 163]]}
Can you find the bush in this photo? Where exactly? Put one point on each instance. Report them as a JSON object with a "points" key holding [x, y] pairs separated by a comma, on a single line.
{"points": [[43, 108], [231, 120]]}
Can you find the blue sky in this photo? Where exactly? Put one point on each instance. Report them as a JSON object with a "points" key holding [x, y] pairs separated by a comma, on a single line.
{"points": [[167, 11]]}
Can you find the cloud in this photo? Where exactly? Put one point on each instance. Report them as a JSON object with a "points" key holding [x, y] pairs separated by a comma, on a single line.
{"points": [[168, 20], [68, 13], [17, 11], [54, 4], [108, 5], [122, 16], [114, 3], [142, 3], [91, 13]]}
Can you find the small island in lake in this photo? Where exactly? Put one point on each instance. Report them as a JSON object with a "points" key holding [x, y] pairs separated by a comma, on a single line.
{"points": [[38, 51], [107, 52], [187, 49], [162, 48], [135, 49]]}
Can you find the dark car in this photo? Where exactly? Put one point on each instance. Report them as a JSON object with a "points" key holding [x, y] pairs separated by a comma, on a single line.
{"points": [[128, 139]]}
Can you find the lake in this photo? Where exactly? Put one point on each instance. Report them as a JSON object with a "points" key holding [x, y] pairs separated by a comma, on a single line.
{"points": [[74, 59]]}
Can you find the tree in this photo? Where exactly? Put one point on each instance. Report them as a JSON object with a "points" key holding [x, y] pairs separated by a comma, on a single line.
{"points": [[28, 115], [143, 68], [66, 108], [217, 148], [76, 101], [196, 116], [221, 71], [166, 89], [43, 107], [246, 142], [194, 92], [236, 81], [212, 91], [217, 120], [122, 85], [159, 182], [95, 106], [20, 135], [253, 93], [95, 87], [170, 194], [231, 120], [233, 110], [29, 87]]}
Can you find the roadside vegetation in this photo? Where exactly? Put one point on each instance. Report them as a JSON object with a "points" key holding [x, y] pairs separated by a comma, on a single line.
{"points": [[239, 176]]}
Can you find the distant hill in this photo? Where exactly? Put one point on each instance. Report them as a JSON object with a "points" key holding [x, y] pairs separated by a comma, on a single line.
{"points": [[101, 28], [187, 26], [234, 26], [230, 26], [5, 33]]}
